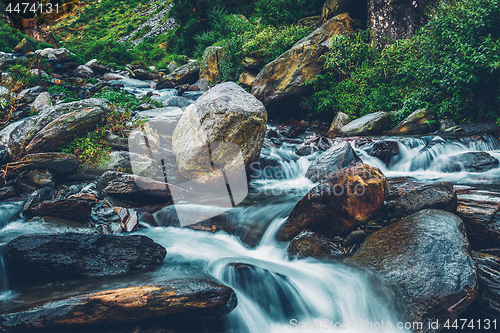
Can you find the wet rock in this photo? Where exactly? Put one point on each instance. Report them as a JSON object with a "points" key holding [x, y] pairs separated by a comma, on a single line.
{"points": [[37, 197], [133, 187], [209, 66], [105, 220], [54, 54], [8, 192], [412, 197], [192, 95], [481, 214], [309, 244], [475, 161], [446, 124], [188, 73], [226, 113], [488, 299], [39, 178], [56, 162], [84, 72], [42, 101], [63, 129], [113, 77], [339, 204], [481, 128], [45, 257], [73, 210], [291, 129], [247, 79], [23, 47], [129, 220], [29, 95], [424, 257], [371, 124], [340, 120], [355, 237], [101, 103], [385, 148], [129, 83], [419, 122], [271, 291], [202, 84], [175, 302], [98, 67], [285, 77], [177, 101], [338, 157], [142, 74], [392, 21], [319, 143]]}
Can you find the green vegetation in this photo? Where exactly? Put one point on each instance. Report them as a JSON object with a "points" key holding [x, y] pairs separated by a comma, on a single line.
{"points": [[10, 37], [91, 148], [451, 65]]}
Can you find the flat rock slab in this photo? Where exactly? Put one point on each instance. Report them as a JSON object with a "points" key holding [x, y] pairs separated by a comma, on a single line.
{"points": [[172, 300], [55, 162], [425, 258], [68, 209], [55, 257]]}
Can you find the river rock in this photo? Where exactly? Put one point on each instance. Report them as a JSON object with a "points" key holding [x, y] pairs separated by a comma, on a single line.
{"points": [[63, 129], [42, 101], [340, 120], [286, 76], [412, 197], [226, 113], [188, 73], [392, 21], [8, 192], [28, 95], [54, 54], [130, 83], [318, 143], [177, 101], [338, 157], [476, 161], [84, 72], [480, 212], [37, 197], [371, 124], [98, 67], [35, 179], [425, 258], [23, 47], [419, 122], [338, 205], [142, 74], [385, 148], [291, 129], [309, 244], [65, 108], [56, 162], [4, 156], [132, 187], [173, 301], [45, 257], [247, 79], [209, 66], [488, 300], [73, 210], [113, 77]]}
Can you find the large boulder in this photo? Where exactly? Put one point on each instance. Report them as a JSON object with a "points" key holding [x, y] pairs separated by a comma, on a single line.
{"points": [[188, 73], [23, 47], [224, 114], [286, 76], [480, 212], [412, 197], [419, 122], [475, 161], [63, 129], [54, 54], [425, 258], [55, 257], [390, 21], [42, 101], [371, 124], [209, 66], [173, 302], [338, 157], [349, 198], [340, 120]]}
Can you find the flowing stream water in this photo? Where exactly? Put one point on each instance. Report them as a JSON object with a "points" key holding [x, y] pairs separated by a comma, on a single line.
{"points": [[276, 294]]}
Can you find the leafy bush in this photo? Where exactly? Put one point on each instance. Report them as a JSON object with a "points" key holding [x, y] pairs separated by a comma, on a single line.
{"points": [[279, 12], [90, 149], [459, 68], [124, 99], [108, 51]]}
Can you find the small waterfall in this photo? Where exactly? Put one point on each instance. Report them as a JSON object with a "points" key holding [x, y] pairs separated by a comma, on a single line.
{"points": [[4, 281]]}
